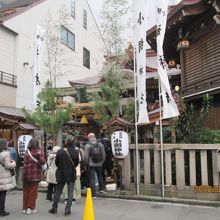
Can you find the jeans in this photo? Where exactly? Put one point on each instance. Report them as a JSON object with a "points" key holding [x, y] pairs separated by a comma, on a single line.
{"points": [[58, 191], [2, 201], [98, 171], [50, 190]]}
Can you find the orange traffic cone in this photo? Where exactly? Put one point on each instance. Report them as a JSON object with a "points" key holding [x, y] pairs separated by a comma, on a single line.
{"points": [[88, 213]]}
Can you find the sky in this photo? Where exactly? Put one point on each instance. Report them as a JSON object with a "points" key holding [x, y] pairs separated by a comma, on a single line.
{"points": [[96, 6]]}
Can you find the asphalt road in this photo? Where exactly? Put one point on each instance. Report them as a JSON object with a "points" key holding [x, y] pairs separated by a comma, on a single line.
{"points": [[113, 209]]}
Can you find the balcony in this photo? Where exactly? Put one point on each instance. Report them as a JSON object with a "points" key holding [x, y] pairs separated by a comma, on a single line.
{"points": [[8, 79]]}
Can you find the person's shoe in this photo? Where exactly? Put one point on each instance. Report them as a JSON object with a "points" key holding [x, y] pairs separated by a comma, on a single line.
{"points": [[52, 211], [94, 197], [49, 200], [67, 213], [102, 191], [4, 213], [33, 211], [24, 211], [28, 212]]}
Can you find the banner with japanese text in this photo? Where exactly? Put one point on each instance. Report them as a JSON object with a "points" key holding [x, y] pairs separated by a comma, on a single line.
{"points": [[140, 28], [38, 52], [169, 106]]}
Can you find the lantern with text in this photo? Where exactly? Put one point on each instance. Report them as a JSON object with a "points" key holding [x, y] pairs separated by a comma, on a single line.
{"points": [[120, 146], [23, 142]]}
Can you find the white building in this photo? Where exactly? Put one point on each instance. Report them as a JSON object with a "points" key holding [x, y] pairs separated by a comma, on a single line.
{"points": [[80, 44]]}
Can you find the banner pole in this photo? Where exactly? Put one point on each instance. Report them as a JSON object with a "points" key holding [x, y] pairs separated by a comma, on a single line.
{"points": [[161, 141], [136, 111]]}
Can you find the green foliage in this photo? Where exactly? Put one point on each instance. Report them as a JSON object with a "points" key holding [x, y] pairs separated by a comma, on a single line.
{"points": [[209, 136], [47, 116], [107, 100], [166, 134], [129, 112], [191, 122]]}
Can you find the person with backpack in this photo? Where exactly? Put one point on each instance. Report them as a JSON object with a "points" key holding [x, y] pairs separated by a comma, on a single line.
{"points": [[94, 159], [67, 160]]}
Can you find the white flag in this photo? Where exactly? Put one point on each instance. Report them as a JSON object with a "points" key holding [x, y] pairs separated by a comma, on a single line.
{"points": [[38, 50], [169, 106], [140, 27]]}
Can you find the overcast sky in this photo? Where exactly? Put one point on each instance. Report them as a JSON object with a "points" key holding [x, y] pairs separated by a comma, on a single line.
{"points": [[96, 6]]}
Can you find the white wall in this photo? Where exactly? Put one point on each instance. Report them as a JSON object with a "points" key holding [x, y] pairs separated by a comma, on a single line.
{"points": [[7, 50], [25, 24]]}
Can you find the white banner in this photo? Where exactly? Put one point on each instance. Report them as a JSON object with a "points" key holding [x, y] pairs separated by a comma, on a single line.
{"points": [[38, 51], [140, 28], [23, 142], [169, 106]]}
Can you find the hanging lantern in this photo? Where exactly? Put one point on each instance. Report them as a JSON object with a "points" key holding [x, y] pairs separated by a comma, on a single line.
{"points": [[171, 64], [84, 120], [183, 44]]}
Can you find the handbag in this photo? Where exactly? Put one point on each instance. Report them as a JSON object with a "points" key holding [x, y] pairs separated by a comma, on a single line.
{"points": [[43, 167]]}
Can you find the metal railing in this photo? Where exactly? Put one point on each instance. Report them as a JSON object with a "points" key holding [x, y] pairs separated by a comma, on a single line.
{"points": [[8, 79]]}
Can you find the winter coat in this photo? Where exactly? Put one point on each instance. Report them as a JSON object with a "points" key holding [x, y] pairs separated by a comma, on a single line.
{"points": [[5, 175], [32, 171], [51, 172], [88, 160], [65, 171]]}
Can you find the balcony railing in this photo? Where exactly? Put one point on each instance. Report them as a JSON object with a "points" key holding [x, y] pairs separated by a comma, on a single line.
{"points": [[8, 79]]}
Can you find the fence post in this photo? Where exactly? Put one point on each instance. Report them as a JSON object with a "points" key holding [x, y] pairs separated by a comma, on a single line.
{"points": [[147, 167], [192, 167], [180, 170], [168, 177], [204, 168], [126, 172], [214, 168], [157, 168]]}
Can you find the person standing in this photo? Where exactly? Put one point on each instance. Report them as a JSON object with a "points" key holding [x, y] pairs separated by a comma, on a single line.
{"points": [[34, 164], [5, 175], [66, 161], [51, 173], [94, 159]]}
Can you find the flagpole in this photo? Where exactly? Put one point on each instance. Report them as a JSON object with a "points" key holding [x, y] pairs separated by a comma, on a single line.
{"points": [[135, 98], [161, 141]]}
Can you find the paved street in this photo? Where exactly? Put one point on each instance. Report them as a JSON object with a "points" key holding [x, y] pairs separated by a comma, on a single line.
{"points": [[112, 209]]}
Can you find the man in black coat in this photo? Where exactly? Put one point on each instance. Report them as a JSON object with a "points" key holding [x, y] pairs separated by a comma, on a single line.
{"points": [[66, 161]]}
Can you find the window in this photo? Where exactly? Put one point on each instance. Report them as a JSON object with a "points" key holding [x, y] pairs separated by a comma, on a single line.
{"points": [[67, 38], [85, 19], [73, 8], [86, 58]]}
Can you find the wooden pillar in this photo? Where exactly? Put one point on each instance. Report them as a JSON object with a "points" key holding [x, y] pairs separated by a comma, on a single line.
{"points": [[168, 170], [157, 168], [126, 172], [214, 168], [180, 171], [147, 176], [192, 167], [204, 168]]}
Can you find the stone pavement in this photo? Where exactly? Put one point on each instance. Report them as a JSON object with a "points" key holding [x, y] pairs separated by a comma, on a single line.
{"points": [[113, 209]]}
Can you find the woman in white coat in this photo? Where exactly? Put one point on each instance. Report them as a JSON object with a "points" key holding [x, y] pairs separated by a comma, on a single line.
{"points": [[51, 173], [5, 175]]}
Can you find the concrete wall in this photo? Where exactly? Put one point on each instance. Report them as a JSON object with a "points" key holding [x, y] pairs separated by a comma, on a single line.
{"points": [[25, 24]]}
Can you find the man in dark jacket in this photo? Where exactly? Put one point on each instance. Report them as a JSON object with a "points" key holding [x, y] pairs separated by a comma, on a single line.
{"points": [[66, 160]]}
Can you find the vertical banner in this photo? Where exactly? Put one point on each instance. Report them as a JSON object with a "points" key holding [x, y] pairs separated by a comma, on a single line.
{"points": [[38, 51], [140, 28], [169, 106]]}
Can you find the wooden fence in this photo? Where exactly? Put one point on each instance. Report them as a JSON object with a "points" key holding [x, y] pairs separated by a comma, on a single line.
{"points": [[190, 170]]}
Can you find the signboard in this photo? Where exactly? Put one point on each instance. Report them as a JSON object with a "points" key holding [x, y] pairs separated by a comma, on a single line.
{"points": [[120, 145], [23, 141]]}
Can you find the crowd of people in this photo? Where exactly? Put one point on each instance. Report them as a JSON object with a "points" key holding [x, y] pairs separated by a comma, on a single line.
{"points": [[67, 169]]}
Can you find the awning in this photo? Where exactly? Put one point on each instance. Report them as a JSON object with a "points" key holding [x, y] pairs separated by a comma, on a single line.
{"points": [[118, 121]]}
